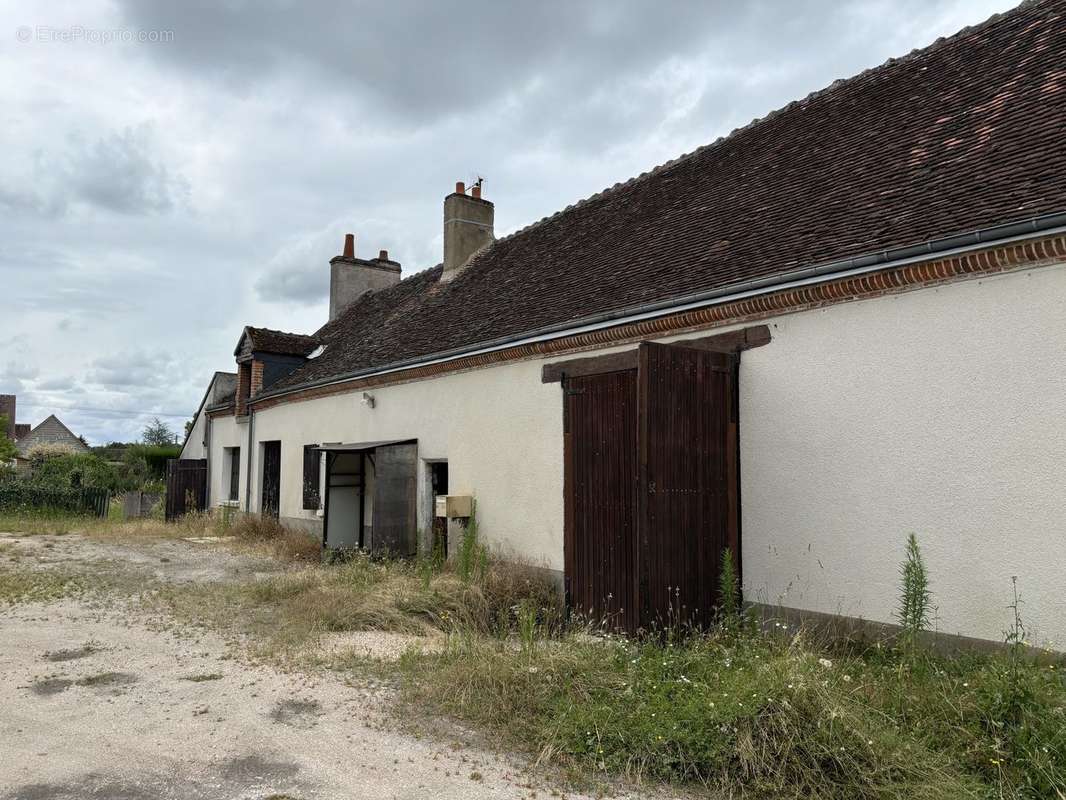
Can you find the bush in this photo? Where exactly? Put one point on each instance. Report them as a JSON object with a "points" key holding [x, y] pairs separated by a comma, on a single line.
{"points": [[62, 469]]}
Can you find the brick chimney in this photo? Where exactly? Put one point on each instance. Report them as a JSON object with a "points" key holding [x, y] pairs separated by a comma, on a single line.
{"points": [[467, 228], [350, 277], [7, 409]]}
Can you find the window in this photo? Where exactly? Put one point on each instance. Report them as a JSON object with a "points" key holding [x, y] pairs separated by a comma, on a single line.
{"points": [[312, 473], [234, 456]]}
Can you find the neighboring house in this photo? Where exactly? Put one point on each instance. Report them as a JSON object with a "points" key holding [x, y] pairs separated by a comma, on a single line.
{"points": [[9, 411], [49, 432], [854, 317]]}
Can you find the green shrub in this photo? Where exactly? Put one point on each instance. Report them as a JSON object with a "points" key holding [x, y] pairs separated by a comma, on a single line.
{"points": [[65, 470], [473, 558]]}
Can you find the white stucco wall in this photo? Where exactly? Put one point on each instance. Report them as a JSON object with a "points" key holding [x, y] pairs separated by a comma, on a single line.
{"points": [[194, 442], [937, 411], [940, 411], [499, 429], [225, 432]]}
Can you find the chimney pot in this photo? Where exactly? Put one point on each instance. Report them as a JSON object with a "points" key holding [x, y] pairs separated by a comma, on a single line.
{"points": [[475, 191], [383, 255], [460, 187], [349, 245]]}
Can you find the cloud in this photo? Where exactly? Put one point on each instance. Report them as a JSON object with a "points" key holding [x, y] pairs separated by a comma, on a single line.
{"points": [[130, 368], [156, 198], [118, 172], [59, 383]]}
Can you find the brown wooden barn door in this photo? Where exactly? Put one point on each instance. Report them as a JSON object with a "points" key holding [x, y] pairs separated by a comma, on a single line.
{"points": [[271, 500], [600, 476], [395, 500], [688, 488]]}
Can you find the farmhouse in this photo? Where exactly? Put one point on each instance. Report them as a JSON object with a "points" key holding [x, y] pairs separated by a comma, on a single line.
{"points": [[839, 324]]}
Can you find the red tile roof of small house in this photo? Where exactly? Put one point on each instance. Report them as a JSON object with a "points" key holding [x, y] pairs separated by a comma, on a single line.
{"points": [[962, 135]]}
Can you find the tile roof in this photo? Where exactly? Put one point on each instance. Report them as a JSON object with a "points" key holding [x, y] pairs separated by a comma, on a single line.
{"points": [[266, 340], [51, 431], [963, 135]]}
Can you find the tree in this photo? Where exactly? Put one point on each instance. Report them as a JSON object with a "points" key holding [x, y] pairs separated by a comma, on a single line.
{"points": [[158, 433], [7, 447]]}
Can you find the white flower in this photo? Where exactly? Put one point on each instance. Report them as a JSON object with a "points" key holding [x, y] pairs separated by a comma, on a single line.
{"points": [[825, 662], [532, 669], [847, 679]]}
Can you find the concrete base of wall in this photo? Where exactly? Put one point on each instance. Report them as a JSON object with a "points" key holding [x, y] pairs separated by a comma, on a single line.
{"points": [[312, 526], [833, 626]]}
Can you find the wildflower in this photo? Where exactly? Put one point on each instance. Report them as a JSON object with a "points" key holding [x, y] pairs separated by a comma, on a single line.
{"points": [[965, 685], [994, 761], [847, 679], [532, 670], [825, 662]]}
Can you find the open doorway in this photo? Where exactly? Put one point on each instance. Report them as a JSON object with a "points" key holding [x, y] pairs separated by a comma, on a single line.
{"points": [[270, 502], [438, 487], [370, 500]]}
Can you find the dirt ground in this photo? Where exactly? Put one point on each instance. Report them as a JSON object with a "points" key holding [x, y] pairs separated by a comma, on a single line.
{"points": [[100, 700]]}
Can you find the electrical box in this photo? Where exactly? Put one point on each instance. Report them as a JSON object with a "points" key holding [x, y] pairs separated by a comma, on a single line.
{"points": [[454, 506]]}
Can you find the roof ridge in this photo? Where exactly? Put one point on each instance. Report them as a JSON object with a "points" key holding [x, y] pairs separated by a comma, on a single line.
{"points": [[275, 330], [772, 114]]}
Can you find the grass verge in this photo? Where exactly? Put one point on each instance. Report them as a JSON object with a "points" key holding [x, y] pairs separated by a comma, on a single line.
{"points": [[281, 615], [751, 715]]}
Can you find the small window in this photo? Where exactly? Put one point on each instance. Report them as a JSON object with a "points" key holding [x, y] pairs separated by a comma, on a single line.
{"points": [[234, 455], [312, 473]]}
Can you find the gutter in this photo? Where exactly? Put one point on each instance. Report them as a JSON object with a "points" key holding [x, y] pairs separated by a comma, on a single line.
{"points": [[1042, 225]]}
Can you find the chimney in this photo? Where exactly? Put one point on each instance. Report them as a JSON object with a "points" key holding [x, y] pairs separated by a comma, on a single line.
{"points": [[350, 277], [7, 409], [467, 227]]}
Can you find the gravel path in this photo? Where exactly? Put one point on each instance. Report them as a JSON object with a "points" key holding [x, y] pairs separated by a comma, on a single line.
{"points": [[97, 704]]}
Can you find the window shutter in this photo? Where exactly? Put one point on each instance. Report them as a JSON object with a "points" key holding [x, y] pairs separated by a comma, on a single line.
{"points": [[312, 460]]}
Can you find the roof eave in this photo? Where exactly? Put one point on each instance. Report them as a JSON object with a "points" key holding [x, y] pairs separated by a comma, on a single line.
{"points": [[876, 260]]}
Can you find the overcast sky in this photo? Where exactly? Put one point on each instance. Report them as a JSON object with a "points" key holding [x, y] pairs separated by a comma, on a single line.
{"points": [[157, 195]]}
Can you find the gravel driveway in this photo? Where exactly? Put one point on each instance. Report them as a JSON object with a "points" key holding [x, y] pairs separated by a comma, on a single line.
{"points": [[99, 702]]}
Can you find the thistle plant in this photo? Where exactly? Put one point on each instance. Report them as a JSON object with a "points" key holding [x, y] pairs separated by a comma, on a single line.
{"points": [[915, 598]]}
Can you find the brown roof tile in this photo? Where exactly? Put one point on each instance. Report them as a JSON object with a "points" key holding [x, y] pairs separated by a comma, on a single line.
{"points": [[962, 135], [266, 340]]}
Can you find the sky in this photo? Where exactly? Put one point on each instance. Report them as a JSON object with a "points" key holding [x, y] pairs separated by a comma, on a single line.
{"points": [[171, 172]]}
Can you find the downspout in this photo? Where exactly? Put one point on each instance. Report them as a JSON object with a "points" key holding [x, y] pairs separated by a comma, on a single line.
{"points": [[207, 453], [248, 476]]}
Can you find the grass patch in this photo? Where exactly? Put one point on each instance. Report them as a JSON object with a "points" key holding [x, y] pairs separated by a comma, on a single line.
{"points": [[279, 540], [203, 677], [41, 586], [281, 614], [752, 715], [109, 527]]}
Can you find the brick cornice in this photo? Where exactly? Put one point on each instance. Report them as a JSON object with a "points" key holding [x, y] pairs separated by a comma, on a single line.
{"points": [[1040, 252]]}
